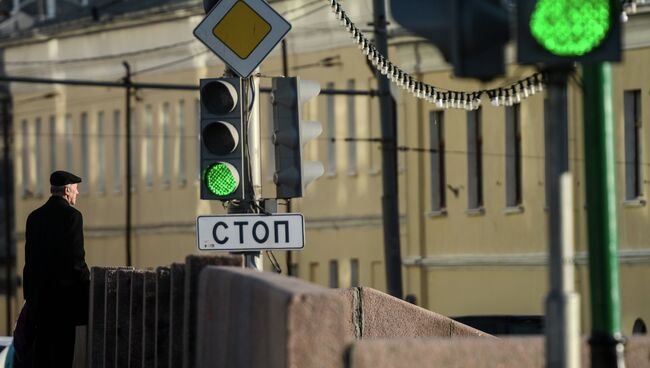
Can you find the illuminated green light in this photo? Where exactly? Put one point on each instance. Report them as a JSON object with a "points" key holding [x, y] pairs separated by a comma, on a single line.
{"points": [[570, 27], [221, 179]]}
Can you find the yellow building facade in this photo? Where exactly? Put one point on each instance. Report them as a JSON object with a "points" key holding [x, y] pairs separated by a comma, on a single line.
{"points": [[459, 258]]}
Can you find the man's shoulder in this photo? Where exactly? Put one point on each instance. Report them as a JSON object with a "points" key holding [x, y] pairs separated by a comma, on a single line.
{"points": [[56, 206]]}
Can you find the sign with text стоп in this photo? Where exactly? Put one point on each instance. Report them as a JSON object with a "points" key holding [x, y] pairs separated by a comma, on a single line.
{"points": [[285, 231]]}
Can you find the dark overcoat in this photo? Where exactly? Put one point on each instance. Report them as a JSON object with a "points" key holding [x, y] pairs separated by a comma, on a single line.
{"points": [[56, 277]]}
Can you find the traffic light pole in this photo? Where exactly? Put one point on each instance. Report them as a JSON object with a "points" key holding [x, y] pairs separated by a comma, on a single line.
{"points": [[390, 205], [562, 336], [607, 343], [127, 190], [250, 122]]}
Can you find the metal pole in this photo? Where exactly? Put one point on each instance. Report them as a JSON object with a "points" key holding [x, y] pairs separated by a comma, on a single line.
{"points": [[285, 72], [556, 300], [607, 343], [251, 259], [6, 116], [390, 205], [127, 113]]}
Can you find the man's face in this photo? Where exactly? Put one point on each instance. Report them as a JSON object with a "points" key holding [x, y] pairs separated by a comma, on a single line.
{"points": [[71, 192]]}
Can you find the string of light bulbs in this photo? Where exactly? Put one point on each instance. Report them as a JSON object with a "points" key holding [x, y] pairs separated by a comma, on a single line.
{"points": [[469, 100]]}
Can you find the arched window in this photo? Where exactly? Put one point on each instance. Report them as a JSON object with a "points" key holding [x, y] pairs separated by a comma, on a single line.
{"points": [[639, 327]]}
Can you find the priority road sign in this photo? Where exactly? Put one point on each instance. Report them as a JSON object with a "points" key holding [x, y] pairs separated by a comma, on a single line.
{"points": [[251, 232], [242, 33]]}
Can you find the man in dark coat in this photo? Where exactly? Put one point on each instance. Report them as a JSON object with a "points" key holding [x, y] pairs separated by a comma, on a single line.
{"points": [[56, 277]]}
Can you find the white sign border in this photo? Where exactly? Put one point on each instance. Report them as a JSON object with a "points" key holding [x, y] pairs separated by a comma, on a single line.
{"points": [[274, 215], [244, 67]]}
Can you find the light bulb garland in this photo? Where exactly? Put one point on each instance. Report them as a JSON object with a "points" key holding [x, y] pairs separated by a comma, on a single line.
{"points": [[502, 96]]}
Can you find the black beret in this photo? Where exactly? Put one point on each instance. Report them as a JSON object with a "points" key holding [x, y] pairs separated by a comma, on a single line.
{"points": [[61, 178]]}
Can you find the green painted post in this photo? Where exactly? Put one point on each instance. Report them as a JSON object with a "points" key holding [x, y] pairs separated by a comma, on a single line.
{"points": [[606, 340]]}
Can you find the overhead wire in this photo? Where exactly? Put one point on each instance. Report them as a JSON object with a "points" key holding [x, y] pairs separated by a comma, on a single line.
{"points": [[506, 95]]}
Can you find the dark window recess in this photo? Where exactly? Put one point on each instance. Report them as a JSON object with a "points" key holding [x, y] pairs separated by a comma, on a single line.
{"points": [[474, 160], [505, 325], [633, 154], [437, 144], [513, 157]]}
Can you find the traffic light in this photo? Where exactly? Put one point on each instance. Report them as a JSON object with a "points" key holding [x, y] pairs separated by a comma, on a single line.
{"points": [[292, 173], [223, 163], [471, 34], [567, 31]]}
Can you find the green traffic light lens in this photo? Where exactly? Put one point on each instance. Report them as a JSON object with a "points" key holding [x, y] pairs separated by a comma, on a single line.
{"points": [[570, 27], [221, 179]]}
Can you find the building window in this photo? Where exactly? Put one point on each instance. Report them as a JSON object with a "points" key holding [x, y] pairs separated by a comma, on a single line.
{"points": [[134, 155], [166, 145], [101, 153], [182, 172], [83, 130], [474, 160], [334, 273], [513, 156], [632, 110], [354, 272], [547, 151], [148, 147], [352, 130], [197, 111], [331, 132], [68, 142], [52, 139], [39, 162], [313, 272], [639, 327], [117, 158], [437, 144], [25, 154]]}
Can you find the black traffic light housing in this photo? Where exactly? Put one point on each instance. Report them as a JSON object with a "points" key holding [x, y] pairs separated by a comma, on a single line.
{"points": [[292, 173], [223, 136], [471, 34], [530, 51]]}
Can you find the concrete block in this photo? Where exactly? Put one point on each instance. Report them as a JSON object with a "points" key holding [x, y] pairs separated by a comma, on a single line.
{"points": [[96, 316], [136, 318], [637, 351], [177, 300], [110, 320], [163, 289], [193, 267], [470, 352], [473, 352], [123, 318], [376, 315], [149, 320], [251, 319]]}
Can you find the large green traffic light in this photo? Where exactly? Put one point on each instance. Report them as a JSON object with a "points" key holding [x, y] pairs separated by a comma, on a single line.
{"points": [[221, 179], [570, 27], [562, 32], [223, 163]]}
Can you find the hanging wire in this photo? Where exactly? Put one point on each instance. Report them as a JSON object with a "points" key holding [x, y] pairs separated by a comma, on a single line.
{"points": [[441, 97]]}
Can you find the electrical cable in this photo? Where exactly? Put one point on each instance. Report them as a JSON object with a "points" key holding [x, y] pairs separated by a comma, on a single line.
{"points": [[164, 65], [101, 57], [469, 100], [274, 262]]}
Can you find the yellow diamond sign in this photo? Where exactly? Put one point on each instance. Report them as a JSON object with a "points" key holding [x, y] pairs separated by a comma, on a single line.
{"points": [[241, 29], [242, 32]]}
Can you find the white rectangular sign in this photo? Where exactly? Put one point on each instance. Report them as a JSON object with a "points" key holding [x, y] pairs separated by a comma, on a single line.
{"points": [[251, 232]]}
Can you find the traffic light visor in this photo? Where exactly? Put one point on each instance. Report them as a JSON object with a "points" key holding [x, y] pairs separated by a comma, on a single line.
{"points": [[220, 138], [221, 179], [219, 97]]}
